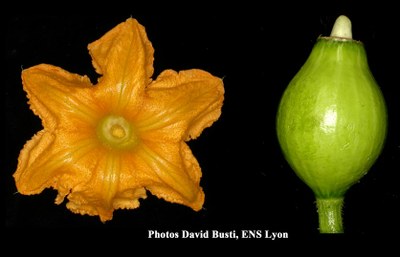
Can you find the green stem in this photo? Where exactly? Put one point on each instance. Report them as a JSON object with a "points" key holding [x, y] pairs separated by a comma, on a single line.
{"points": [[330, 215]]}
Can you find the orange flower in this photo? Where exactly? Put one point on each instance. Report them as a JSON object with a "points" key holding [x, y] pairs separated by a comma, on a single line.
{"points": [[103, 146]]}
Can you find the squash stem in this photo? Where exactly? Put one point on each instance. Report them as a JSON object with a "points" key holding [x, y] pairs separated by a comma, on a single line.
{"points": [[330, 215]]}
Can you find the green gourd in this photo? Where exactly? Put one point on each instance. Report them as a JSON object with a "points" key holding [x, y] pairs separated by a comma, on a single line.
{"points": [[332, 122]]}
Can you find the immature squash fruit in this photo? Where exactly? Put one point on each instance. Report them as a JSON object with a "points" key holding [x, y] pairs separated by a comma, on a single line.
{"points": [[331, 121]]}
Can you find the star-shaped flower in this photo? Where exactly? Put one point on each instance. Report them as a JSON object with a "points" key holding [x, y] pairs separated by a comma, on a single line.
{"points": [[103, 146]]}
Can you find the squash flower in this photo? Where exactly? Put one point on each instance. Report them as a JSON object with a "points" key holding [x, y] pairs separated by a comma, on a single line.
{"points": [[103, 146]]}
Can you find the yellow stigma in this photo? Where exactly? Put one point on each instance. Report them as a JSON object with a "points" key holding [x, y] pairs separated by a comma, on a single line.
{"points": [[116, 132]]}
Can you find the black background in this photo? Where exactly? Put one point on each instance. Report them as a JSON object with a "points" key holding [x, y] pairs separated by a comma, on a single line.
{"points": [[247, 182]]}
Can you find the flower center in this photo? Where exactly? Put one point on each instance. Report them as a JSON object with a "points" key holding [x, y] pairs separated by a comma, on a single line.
{"points": [[116, 132]]}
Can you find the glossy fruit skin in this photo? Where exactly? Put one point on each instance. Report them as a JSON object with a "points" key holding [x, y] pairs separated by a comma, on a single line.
{"points": [[332, 120]]}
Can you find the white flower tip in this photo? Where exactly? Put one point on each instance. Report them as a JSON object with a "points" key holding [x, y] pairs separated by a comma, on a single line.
{"points": [[342, 28]]}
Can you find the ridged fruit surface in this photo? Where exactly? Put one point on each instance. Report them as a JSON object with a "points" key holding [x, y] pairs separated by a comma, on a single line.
{"points": [[331, 121]]}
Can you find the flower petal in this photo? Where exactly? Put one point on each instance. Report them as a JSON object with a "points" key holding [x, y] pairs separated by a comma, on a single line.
{"points": [[91, 202], [96, 179], [55, 94], [174, 171], [115, 183], [124, 56], [31, 151], [61, 162], [180, 105]]}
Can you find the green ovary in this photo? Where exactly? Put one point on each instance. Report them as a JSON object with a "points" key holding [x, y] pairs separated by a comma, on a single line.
{"points": [[116, 132]]}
